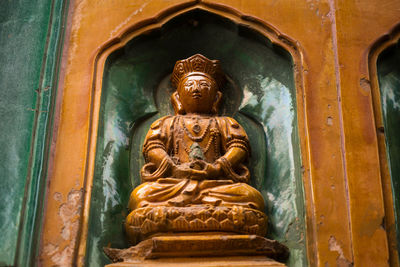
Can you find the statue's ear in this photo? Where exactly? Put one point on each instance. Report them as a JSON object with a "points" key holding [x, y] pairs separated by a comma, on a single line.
{"points": [[176, 104], [217, 101]]}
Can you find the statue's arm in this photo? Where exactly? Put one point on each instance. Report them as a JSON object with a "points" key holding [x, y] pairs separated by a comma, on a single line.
{"points": [[236, 146], [158, 162], [156, 156], [234, 139], [156, 140], [235, 155]]}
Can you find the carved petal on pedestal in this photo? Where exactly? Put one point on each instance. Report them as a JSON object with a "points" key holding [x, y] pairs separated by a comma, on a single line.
{"points": [[219, 215], [253, 229], [197, 225], [250, 218], [181, 223], [149, 226], [212, 224], [203, 215], [227, 224]]}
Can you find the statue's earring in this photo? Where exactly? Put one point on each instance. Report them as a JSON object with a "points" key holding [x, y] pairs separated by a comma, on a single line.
{"points": [[176, 104], [217, 101]]}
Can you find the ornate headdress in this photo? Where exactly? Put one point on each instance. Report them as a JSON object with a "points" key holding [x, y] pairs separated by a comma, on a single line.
{"points": [[197, 64]]}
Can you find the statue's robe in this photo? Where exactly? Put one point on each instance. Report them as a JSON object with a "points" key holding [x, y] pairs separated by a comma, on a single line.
{"points": [[219, 135]]}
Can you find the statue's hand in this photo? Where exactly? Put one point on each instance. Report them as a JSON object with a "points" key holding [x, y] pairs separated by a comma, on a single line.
{"points": [[214, 170], [181, 171], [197, 170], [186, 171], [200, 167], [198, 175]]}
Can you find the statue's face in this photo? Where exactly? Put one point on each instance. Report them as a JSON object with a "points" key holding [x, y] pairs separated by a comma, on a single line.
{"points": [[197, 94]]}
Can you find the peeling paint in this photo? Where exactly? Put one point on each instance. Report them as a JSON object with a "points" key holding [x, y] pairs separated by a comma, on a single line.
{"points": [[365, 84], [57, 196], [69, 212], [75, 29], [329, 121], [137, 11], [63, 258], [341, 260], [50, 249]]}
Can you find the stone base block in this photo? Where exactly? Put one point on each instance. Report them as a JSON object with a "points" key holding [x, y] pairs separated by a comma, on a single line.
{"points": [[201, 245], [235, 261]]}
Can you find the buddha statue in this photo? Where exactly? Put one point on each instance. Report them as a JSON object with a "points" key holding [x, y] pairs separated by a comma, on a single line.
{"points": [[195, 199], [195, 179]]}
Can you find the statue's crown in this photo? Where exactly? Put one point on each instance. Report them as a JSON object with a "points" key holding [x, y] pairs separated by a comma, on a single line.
{"points": [[197, 63]]}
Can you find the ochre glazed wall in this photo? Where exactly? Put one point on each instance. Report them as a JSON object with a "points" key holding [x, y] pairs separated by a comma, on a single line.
{"points": [[347, 208]]}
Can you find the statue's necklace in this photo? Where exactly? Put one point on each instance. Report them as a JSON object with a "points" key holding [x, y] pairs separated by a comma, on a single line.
{"points": [[196, 129]]}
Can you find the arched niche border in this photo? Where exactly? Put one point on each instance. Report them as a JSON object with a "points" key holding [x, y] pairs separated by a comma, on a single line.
{"points": [[380, 45], [131, 31]]}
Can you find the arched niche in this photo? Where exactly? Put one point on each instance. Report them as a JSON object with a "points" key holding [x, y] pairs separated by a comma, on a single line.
{"points": [[388, 71], [261, 95]]}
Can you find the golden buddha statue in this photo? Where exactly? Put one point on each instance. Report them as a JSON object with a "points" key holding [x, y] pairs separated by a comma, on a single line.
{"points": [[195, 200], [194, 179]]}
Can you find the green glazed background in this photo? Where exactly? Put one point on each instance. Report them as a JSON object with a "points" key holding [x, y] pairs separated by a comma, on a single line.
{"points": [[31, 37], [388, 66]]}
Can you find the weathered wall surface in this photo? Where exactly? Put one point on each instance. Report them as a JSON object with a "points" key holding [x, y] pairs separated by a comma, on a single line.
{"points": [[342, 183], [348, 213], [359, 24]]}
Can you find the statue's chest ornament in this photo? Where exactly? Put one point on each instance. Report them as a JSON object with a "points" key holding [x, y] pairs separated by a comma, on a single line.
{"points": [[196, 129], [195, 150]]}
